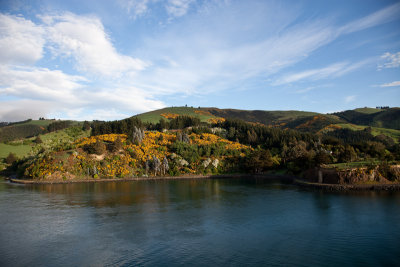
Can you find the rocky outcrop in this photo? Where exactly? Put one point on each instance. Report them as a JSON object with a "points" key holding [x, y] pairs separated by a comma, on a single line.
{"points": [[353, 175]]}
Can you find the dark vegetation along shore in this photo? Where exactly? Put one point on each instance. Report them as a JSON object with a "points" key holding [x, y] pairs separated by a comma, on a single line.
{"points": [[201, 143]]}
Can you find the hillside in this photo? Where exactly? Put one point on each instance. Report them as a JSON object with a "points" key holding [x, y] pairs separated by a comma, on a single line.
{"points": [[30, 128], [23, 129], [382, 118], [172, 112], [298, 120]]}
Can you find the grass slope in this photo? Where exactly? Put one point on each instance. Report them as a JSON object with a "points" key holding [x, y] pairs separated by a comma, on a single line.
{"points": [[26, 129], [368, 110], [20, 150], [155, 116]]}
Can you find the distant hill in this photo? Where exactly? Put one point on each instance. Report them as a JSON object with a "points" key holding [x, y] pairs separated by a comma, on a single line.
{"points": [[304, 121], [23, 129], [30, 128], [382, 118]]}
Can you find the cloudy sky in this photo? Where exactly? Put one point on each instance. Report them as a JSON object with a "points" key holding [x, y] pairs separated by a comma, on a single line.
{"points": [[93, 59]]}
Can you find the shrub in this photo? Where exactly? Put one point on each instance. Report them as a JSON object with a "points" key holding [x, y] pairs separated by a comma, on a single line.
{"points": [[11, 158], [38, 140], [99, 148]]}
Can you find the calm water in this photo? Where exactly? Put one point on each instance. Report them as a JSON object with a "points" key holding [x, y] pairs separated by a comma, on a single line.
{"points": [[198, 222]]}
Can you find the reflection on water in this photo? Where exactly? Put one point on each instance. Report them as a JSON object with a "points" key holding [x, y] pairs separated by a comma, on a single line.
{"points": [[201, 222]]}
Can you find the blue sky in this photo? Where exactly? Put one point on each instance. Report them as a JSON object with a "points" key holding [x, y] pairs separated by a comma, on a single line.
{"points": [[112, 59]]}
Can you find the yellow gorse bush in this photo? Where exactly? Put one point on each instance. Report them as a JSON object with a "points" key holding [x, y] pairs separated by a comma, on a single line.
{"points": [[216, 120], [169, 115], [105, 138]]}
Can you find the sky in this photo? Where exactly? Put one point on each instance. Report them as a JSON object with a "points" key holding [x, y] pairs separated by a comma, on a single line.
{"points": [[107, 60]]}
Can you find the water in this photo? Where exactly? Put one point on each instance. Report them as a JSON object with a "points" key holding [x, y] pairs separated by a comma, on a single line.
{"points": [[196, 222]]}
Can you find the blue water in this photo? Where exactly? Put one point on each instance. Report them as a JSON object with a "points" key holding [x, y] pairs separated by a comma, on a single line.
{"points": [[220, 222]]}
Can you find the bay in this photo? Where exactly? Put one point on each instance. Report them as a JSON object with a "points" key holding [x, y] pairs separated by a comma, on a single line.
{"points": [[199, 222]]}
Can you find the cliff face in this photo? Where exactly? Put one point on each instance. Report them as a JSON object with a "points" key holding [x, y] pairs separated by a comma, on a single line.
{"points": [[354, 175]]}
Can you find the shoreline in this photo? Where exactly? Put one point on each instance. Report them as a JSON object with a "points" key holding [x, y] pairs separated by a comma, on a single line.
{"points": [[281, 177], [154, 178]]}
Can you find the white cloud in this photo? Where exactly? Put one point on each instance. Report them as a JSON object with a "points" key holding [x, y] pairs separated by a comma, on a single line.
{"points": [[206, 60], [178, 8], [384, 15], [136, 8], [43, 92], [40, 84], [392, 84], [85, 40], [350, 98], [390, 61], [21, 41], [333, 70], [22, 109]]}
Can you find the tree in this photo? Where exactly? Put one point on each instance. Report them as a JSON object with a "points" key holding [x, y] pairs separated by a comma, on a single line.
{"points": [[86, 126], [156, 165], [165, 165], [259, 160], [137, 135], [38, 140], [117, 145], [348, 154], [322, 157], [147, 166], [99, 147], [11, 158], [185, 138]]}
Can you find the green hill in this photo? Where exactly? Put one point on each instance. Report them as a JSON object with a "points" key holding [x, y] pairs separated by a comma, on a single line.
{"points": [[165, 113], [367, 110], [30, 128], [23, 129], [382, 118]]}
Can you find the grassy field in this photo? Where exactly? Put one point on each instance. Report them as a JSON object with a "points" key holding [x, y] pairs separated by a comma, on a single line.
{"points": [[368, 110], [19, 150], [349, 165], [155, 116]]}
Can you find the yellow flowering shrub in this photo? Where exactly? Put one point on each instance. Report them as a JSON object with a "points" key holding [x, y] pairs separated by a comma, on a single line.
{"points": [[105, 138], [216, 120], [169, 115], [203, 112]]}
